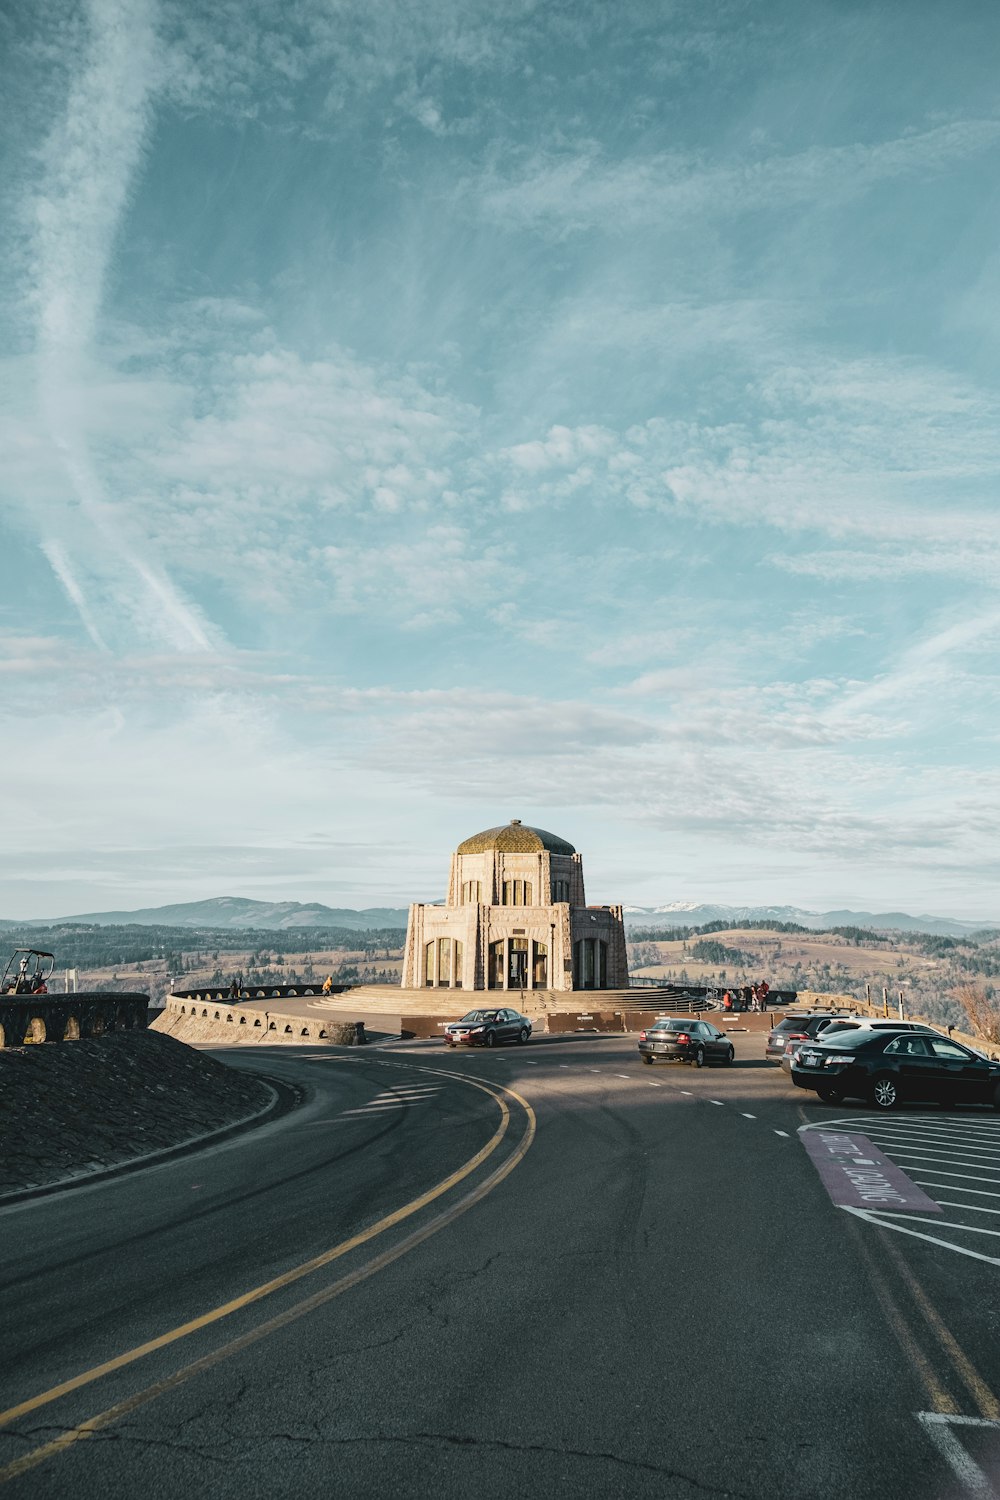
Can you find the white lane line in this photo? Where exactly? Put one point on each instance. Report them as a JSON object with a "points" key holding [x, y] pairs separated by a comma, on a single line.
{"points": [[415, 1093], [925, 1156], [383, 1109], [686, 1091], [532, 1062], [939, 1142], [940, 1128], [653, 1085], [746, 1116], [918, 1234], [970, 1476], [564, 1065], [941, 1125], [939, 1153], [595, 1070], [784, 1133], [942, 1223], [940, 1132], [977, 1208], [956, 1187], [969, 1177], [623, 1075], [719, 1102]]}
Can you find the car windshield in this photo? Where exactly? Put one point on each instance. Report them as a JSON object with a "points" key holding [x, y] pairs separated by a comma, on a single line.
{"points": [[672, 1026]]}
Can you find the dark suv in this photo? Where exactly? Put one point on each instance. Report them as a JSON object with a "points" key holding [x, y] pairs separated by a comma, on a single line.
{"points": [[801, 1027]]}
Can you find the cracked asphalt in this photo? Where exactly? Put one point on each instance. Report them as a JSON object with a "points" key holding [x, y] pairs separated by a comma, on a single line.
{"points": [[658, 1299]]}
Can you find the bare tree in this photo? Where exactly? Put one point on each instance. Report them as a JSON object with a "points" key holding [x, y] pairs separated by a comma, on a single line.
{"points": [[982, 1007]]}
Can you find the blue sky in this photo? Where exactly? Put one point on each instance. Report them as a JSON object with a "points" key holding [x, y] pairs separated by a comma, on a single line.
{"points": [[414, 417]]}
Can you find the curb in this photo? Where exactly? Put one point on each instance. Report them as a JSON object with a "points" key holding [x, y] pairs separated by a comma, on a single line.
{"points": [[284, 1098]]}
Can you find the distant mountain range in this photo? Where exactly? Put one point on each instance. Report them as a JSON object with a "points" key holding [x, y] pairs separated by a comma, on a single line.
{"points": [[239, 912], [691, 914]]}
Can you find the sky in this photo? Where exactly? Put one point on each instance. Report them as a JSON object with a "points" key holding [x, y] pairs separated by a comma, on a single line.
{"points": [[414, 417]]}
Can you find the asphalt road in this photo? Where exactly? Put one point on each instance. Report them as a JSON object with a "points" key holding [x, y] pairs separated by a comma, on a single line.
{"points": [[545, 1270]]}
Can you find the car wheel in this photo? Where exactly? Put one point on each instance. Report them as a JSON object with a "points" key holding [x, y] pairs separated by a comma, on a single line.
{"points": [[523, 1035], [646, 1058], [884, 1094], [730, 1057], [699, 1057], [830, 1096], [490, 1039]]}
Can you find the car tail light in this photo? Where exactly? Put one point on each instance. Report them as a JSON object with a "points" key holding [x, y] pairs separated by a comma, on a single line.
{"points": [[642, 1036], [799, 1036], [683, 1038]]}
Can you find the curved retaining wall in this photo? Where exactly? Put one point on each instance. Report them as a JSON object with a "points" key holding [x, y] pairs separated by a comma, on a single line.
{"points": [[198, 1017], [30, 1019]]}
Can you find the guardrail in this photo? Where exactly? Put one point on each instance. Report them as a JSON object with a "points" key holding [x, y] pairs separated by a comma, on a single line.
{"points": [[30, 1019], [256, 992]]}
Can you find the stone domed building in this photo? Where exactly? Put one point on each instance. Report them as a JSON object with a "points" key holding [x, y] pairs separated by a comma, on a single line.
{"points": [[515, 918]]}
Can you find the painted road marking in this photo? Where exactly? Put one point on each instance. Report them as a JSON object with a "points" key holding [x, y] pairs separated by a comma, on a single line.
{"points": [[416, 1237], [947, 1224], [784, 1133], [372, 1109], [939, 1427], [856, 1174], [296, 1273], [956, 1153], [746, 1116], [956, 1187], [718, 1102], [976, 1208], [654, 1085], [686, 1091]]}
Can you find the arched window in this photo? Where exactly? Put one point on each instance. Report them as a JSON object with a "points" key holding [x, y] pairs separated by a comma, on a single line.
{"points": [[517, 893], [459, 959], [444, 961], [494, 975], [428, 963]]}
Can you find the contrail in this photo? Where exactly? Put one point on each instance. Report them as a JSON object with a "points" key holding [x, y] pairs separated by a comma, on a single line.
{"points": [[91, 161]]}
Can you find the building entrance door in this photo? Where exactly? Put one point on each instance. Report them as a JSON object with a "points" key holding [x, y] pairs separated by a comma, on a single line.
{"points": [[517, 973]]}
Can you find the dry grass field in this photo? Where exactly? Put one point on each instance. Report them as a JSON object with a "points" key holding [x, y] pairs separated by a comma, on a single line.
{"points": [[809, 962]]}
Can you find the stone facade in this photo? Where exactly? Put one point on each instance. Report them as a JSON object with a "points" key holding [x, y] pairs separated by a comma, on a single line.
{"points": [[515, 918]]}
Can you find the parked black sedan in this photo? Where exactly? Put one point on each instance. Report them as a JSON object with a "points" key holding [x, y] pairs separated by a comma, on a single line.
{"points": [[486, 1028], [685, 1040], [886, 1069]]}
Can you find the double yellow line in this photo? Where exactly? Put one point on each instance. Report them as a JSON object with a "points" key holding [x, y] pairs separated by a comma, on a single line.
{"points": [[301, 1309], [939, 1399]]}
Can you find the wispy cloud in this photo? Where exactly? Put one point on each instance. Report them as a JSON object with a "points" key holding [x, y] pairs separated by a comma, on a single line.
{"points": [[585, 189], [90, 162]]}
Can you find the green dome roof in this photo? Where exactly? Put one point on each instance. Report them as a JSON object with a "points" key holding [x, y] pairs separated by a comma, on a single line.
{"points": [[515, 837]]}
